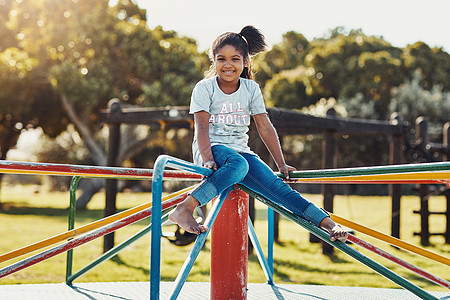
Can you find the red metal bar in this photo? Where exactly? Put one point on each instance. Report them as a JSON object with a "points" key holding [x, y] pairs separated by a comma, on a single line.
{"points": [[86, 238], [88, 171], [229, 248], [398, 261]]}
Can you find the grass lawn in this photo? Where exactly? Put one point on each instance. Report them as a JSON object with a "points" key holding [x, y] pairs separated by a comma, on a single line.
{"points": [[27, 217]]}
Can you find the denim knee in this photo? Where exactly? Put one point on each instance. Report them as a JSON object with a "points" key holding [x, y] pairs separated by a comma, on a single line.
{"points": [[237, 167], [232, 169], [232, 165]]}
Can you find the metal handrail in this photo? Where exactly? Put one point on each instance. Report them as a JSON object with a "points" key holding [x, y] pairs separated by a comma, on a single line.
{"points": [[196, 172], [157, 188]]}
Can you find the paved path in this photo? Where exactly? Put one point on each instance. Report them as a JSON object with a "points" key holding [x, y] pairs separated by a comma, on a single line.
{"points": [[198, 291]]}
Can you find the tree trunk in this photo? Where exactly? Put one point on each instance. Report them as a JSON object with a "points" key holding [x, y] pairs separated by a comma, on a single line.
{"points": [[96, 152], [89, 187], [128, 147], [8, 139]]}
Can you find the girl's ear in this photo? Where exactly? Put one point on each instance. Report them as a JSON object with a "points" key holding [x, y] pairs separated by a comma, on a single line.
{"points": [[247, 62]]}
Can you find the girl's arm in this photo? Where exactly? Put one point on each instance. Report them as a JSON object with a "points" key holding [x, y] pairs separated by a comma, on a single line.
{"points": [[270, 138], [201, 121]]}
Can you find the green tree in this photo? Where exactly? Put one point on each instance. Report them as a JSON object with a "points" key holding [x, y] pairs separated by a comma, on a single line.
{"points": [[89, 52], [287, 89], [366, 75], [344, 65], [432, 63], [24, 100], [411, 101], [83, 53], [287, 55]]}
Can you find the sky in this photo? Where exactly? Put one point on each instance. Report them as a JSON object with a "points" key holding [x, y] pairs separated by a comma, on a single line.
{"points": [[400, 22]]}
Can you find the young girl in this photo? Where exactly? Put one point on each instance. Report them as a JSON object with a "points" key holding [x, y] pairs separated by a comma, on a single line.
{"points": [[222, 105]]}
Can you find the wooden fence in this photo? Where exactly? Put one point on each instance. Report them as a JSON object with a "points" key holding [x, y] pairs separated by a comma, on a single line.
{"points": [[289, 122]]}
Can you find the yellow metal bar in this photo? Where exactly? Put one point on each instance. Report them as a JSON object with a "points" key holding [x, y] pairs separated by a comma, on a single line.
{"points": [[83, 229], [391, 240]]}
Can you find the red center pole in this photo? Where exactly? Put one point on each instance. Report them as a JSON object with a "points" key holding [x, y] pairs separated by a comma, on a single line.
{"points": [[229, 248]]}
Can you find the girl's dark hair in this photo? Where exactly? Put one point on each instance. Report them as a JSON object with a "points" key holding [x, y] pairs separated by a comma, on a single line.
{"points": [[250, 41]]}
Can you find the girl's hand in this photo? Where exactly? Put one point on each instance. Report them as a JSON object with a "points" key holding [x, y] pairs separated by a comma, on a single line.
{"points": [[335, 230], [210, 164], [285, 169]]}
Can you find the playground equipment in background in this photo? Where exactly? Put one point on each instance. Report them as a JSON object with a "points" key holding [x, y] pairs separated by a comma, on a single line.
{"points": [[290, 122], [286, 121], [422, 150], [437, 173]]}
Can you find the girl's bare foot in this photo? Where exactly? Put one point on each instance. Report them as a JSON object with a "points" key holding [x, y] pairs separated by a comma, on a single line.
{"points": [[183, 216]]}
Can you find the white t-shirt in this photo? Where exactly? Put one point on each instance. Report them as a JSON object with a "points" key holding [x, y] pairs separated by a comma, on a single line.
{"points": [[229, 113]]}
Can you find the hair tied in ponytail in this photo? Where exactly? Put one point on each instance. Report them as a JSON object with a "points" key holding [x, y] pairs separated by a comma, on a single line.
{"points": [[243, 37]]}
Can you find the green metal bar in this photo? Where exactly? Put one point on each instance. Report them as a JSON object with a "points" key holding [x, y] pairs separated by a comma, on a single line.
{"points": [[71, 225], [109, 254], [323, 235], [390, 169]]}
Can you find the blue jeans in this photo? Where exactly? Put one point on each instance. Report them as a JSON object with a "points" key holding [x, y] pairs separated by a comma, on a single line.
{"points": [[250, 171]]}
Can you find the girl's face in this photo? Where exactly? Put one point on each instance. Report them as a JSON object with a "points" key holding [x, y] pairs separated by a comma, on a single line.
{"points": [[229, 64]]}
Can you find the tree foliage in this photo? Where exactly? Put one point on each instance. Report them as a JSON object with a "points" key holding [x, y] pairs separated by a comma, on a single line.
{"points": [[411, 101], [64, 60], [363, 77], [432, 63], [346, 65], [287, 89], [287, 55]]}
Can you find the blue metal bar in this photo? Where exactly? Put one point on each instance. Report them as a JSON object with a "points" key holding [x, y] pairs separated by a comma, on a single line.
{"points": [[270, 237], [195, 250], [180, 164], [155, 253], [71, 221], [262, 260], [157, 186]]}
